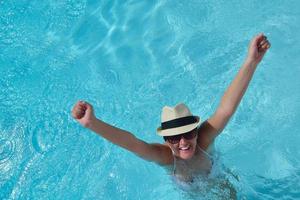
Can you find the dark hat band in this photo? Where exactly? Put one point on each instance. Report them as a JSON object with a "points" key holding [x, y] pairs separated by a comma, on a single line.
{"points": [[179, 122]]}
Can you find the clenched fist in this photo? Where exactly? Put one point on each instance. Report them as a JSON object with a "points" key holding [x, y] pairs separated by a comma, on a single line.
{"points": [[257, 48], [83, 113]]}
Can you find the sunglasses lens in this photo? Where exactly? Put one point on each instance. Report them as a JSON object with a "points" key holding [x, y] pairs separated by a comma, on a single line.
{"points": [[173, 139], [190, 135], [176, 138]]}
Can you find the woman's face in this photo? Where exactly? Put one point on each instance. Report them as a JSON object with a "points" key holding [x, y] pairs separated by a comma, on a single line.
{"points": [[184, 145]]}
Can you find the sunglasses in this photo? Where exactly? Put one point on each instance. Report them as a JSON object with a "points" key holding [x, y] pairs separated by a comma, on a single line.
{"points": [[174, 139]]}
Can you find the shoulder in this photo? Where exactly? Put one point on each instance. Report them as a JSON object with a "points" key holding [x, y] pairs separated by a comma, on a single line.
{"points": [[162, 154], [205, 131], [168, 154]]}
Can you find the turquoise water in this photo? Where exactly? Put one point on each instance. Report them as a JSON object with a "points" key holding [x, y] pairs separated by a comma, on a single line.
{"points": [[130, 58]]}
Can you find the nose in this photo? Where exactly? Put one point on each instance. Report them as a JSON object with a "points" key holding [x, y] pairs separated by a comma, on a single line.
{"points": [[182, 140]]}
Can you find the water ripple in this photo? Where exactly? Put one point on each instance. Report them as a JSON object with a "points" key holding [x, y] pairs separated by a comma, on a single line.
{"points": [[7, 149]]}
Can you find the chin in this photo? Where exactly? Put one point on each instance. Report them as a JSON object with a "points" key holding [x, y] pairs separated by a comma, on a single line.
{"points": [[185, 155]]}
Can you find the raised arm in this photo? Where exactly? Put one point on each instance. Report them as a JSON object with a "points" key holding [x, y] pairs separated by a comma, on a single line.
{"points": [[84, 114], [234, 93]]}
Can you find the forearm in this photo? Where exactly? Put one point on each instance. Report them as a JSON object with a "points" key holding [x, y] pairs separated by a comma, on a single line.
{"points": [[84, 114], [151, 152], [237, 88], [115, 135]]}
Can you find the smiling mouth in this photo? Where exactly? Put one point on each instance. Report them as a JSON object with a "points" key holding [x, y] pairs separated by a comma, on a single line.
{"points": [[185, 148]]}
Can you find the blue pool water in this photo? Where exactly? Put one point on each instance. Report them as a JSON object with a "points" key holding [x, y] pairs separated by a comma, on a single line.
{"points": [[129, 59]]}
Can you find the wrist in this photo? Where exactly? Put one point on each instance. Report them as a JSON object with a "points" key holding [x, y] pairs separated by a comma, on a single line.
{"points": [[251, 63], [91, 123]]}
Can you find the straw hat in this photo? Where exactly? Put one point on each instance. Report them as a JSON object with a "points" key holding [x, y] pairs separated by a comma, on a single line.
{"points": [[177, 120]]}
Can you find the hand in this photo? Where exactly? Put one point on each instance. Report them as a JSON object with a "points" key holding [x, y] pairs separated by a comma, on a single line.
{"points": [[257, 48], [83, 113]]}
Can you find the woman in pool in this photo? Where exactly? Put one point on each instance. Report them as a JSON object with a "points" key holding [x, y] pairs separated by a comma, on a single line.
{"points": [[186, 140]]}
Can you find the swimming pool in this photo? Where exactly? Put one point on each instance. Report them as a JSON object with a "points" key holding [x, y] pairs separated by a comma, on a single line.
{"points": [[130, 58]]}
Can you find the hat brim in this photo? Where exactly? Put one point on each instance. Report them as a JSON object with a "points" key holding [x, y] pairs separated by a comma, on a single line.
{"points": [[178, 130]]}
